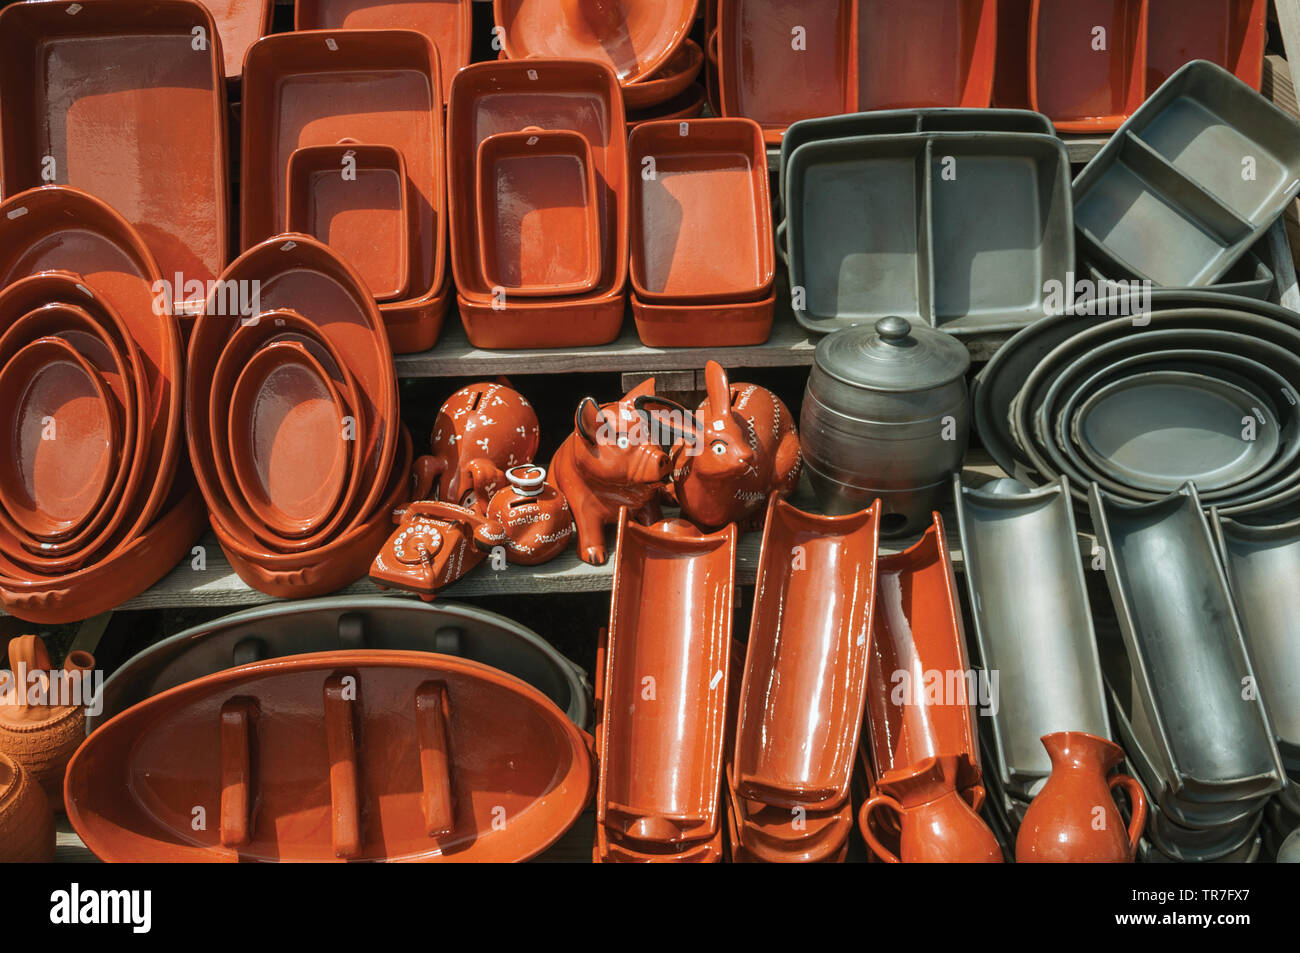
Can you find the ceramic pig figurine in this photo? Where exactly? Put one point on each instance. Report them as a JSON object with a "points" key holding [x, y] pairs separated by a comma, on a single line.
{"points": [[481, 431], [738, 448], [608, 462]]}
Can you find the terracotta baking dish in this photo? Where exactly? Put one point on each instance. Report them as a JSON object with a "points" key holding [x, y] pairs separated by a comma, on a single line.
{"points": [[113, 98], [761, 75], [665, 683], [57, 228], [801, 698], [920, 53], [507, 96], [701, 228], [240, 23], [56, 303], [447, 23], [336, 756], [271, 329], [688, 104], [669, 81], [372, 86], [298, 273], [1079, 88], [704, 325], [538, 213], [1230, 33], [63, 438], [634, 38], [1011, 76], [354, 198], [917, 630], [115, 578]]}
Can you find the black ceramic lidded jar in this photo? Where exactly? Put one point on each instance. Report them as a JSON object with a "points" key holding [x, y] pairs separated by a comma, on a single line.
{"points": [[886, 414]]}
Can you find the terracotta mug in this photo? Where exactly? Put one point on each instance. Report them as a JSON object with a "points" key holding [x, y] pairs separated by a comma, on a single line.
{"points": [[26, 821], [1074, 818], [41, 737], [937, 825]]}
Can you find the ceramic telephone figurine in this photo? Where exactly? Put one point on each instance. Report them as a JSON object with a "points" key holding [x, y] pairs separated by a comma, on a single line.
{"points": [[481, 431], [738, 448], [610, 461]]}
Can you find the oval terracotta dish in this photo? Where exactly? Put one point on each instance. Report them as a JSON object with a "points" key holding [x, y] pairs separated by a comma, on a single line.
{"points": [[62, 438], [538, 217], [65, 229], [669, 81], [633, 36], [297, 272], [98, 335], [274, 327], [336, 756], [287, 439]]}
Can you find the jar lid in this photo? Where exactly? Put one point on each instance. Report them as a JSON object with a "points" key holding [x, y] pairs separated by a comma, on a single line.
{"points": [[892, 355]]}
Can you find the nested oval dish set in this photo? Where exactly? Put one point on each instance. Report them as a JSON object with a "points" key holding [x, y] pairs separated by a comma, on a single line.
{"points": [[215, 238]]}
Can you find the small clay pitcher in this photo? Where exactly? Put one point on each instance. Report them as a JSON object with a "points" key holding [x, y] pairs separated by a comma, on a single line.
{"points": [[42, 737], [26, 821], [529, 518], [937, 825], [1074, 820]]}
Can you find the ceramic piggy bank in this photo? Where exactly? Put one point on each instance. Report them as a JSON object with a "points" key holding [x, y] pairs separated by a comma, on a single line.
{"points": [[738, 448], [610, 460], [528, 519], [481, 431]]}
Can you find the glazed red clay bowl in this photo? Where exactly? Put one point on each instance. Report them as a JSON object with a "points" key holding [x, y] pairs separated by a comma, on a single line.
{"points": [[668, 81]]}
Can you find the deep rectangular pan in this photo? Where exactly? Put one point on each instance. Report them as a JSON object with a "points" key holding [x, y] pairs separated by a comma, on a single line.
{"points": [[1231, 33], [1185, 645], [1161, 201], [762, 73], [917, 641], [123, 101], [1087, 61], [959, 231], [1263, 565], [241, 23], [925, 53], [380, 87], [701, 212], [445, 22], [664, 707], [1250, 278], [886, 122], [802, 694], [1033, 623]]}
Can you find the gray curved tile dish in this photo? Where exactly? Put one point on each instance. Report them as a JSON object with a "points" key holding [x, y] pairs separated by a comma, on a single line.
{"points": [[1248, 278], [1185, 646], [347, 622], [1033, 623], [1263, 567]]}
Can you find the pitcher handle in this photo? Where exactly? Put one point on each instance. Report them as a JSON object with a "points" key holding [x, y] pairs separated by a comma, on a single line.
{"points": [[1138, 802], [880, 802]]}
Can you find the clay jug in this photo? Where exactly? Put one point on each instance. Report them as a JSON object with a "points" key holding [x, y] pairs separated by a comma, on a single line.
{"points": [[42, 737], [26, 821], [529, 518], [937, 825], [1074, 818]]}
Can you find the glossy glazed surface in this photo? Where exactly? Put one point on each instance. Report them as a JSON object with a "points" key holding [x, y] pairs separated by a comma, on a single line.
{"points": [[123, 100], [923, 53], [936, 824], [529, 518], [802, 695], [345, 755], [481, 414], [665, 683]]}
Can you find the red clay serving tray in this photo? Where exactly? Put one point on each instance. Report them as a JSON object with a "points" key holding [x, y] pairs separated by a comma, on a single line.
{"points": [[126, 101], [1230, 33], [380, 87], [241, 23], [507, 96], [335, 756], [701, 212], [446, 22], [917, 631], [664, 708], [802, 695]]}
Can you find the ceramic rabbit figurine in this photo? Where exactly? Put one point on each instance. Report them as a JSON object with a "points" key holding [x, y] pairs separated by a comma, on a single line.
{"points": [[738, 448], [1074, 818], [608, 462], [481, 431]]}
